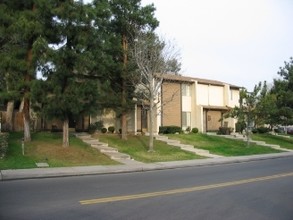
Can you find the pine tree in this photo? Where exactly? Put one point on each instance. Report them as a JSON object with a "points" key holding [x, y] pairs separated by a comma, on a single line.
{"points": [[74, 70], [128, 17], [24, 22]]}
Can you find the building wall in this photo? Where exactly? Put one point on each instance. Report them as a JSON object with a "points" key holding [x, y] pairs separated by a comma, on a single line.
{"points": [[234, 98], [171, 100], [210, 95]]}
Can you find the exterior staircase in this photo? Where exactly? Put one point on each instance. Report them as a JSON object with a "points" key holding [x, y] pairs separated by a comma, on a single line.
{"points": [[111, 152], [261, 143], [186, 147]]}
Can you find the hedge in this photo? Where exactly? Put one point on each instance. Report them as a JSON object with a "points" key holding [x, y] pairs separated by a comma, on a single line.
{"points": [[261, 130], [170, 129], [225, 130]]}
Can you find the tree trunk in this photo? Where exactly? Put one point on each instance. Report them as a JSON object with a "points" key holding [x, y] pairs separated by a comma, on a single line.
{"points": [[124, 126], [26, 101], [123, 101], [26, 119], [65, 133], [151, 128], [9, 116]]}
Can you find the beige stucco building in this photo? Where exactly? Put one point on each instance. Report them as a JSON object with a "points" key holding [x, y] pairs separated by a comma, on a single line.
{"points": [[184, 102]]}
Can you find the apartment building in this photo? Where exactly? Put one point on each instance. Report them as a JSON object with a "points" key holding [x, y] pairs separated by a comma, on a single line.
{"points": [[185, 102], [199, 103]]}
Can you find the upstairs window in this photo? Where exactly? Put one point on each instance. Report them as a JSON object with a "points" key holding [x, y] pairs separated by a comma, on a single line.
{"points": [[185, 90]]}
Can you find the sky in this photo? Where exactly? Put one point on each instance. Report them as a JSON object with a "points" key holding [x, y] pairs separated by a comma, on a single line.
{"points": [[240, 42]]}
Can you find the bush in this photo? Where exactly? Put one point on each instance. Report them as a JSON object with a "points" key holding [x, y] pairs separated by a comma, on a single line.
{"points": [[111, 129], [194, 130], [99, 125], [3, 144], [104, 130], [169, 129], [240, 126], [225, 130], [262, 130], [93, 127], [54, 128]]}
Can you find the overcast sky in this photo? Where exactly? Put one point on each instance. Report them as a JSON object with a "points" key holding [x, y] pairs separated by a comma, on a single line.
{"points": [[240, 42]]}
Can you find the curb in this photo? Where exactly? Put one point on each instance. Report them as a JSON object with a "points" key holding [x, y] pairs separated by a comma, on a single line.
{"points": [[35, 173]]}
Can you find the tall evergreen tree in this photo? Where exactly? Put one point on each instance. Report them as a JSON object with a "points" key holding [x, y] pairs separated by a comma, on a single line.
{"points": [[128, 16], [23, 23], [283, 89], [74, 69]]}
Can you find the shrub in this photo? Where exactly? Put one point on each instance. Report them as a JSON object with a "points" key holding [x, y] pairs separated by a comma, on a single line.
{"points": [[111, 129], [260, 130], [194, 130], [93, 127], [225, 130], [3, 144], [163, 129], [188, 129], [104, 130], [99, 125], [263, 130], [169, 129], [54, 128], [240, 126]]}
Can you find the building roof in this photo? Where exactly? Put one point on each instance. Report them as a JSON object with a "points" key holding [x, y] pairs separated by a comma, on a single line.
{"points": [[180, 78]]}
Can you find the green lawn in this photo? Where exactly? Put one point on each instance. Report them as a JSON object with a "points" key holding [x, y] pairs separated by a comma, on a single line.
{"points": [[220, 145], [285, 142], [47, 147], [137, 148]]}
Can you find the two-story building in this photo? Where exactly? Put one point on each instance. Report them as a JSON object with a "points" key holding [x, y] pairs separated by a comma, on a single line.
{"points": [[184, 102]]}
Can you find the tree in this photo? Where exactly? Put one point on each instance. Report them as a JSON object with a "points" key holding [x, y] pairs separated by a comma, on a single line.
{"points": [[74, 69], [173, 66], [283, 90], [24, 23], [152, 57], [266, 107], [128, 16], [246, 112]]}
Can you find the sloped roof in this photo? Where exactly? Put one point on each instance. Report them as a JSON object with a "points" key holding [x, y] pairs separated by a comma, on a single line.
{"points": [[180, 78]]}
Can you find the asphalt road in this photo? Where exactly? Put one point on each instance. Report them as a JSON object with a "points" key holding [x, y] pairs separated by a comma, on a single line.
{"points": [[251, 190]]}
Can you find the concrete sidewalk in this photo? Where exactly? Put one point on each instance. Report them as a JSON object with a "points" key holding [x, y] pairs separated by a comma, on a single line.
{"points": [[95, 170]]}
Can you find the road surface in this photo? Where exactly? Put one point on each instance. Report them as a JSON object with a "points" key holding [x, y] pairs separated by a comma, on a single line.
{"points": [[252, 190]]}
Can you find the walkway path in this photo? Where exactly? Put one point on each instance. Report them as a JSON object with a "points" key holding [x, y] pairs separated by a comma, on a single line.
{"points": [[261, 143], [126, 159], [105, 149], [187, 147]]}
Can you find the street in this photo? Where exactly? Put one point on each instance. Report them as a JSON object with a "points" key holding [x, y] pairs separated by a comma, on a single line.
{"points": [[253, 190]]}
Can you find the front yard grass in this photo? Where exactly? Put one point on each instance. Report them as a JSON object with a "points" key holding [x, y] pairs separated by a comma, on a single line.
{"points": [[47, 147], [220, 145], [284, 142], [137, 148]]}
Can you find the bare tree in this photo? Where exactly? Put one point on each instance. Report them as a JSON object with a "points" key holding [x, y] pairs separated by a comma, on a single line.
{"points": [[152, 56]]}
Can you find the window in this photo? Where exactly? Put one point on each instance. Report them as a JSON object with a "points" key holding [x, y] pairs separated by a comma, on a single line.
{"points": [[231, 93], [186, 119], [185, 90]]}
